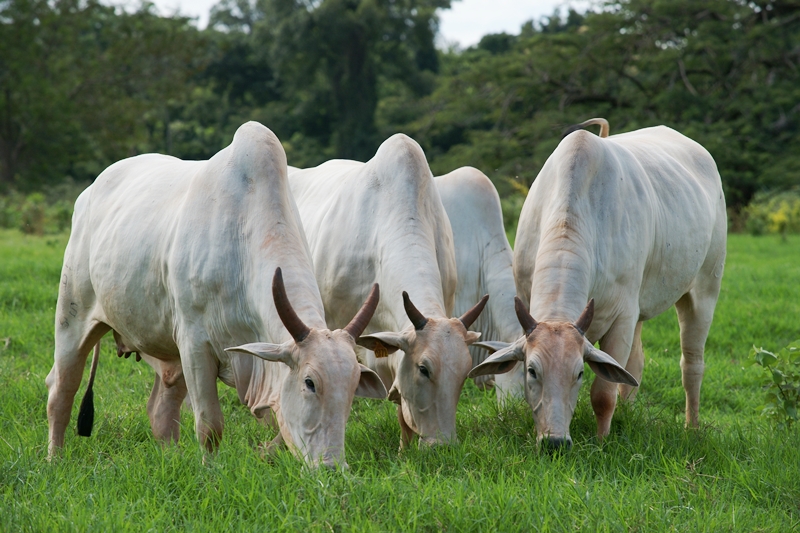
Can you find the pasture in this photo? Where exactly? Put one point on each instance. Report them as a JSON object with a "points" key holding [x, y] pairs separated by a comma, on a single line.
{"points": [[736, 473]]}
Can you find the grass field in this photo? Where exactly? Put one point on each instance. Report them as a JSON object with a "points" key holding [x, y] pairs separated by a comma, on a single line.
{"points": [[736, 473]]}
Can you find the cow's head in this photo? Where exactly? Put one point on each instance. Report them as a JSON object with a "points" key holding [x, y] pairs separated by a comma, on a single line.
{"points": [[324, 376], [553, 354], [431, 371]]}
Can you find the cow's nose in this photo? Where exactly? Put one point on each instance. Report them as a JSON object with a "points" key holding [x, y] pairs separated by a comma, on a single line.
{"points": [[436, 441], [557, 443]]}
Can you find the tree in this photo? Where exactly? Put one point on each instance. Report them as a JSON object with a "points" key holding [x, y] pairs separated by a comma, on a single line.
{"points": [[77, 80], [330, 57]]}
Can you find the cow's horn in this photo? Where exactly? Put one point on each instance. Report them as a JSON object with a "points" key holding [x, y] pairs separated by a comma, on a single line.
{"points": [[585, 320], [356, 326], [294, 325], [417, 318], [524, 316], [472, 315]]}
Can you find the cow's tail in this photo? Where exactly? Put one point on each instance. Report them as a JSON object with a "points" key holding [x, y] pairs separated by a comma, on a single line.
{"points": [[86, 412], [603, 123]]}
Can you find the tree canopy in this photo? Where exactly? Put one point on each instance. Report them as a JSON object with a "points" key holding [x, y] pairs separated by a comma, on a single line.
{"points": [[83, 84]]}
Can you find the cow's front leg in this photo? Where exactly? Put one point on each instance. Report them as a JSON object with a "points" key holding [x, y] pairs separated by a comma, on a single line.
{"points": [[616, 343], [635, 366], [200, 370]]}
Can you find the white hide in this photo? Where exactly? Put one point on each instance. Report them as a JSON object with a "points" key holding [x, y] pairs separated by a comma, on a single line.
{"points": [[178, 257], [484, 262], [636, 221], [384, 221]]}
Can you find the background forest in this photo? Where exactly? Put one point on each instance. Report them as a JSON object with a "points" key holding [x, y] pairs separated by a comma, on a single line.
{"points": [[83, 84]]}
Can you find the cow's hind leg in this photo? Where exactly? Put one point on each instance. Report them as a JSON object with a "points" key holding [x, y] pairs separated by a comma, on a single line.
{"points": [[164, 405], [74, 340], [695, 313], [635, 365], [616, 343]]}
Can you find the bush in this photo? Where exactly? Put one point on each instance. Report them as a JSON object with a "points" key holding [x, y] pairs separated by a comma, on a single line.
{"points": [[46, 212], [783, 383], [776, 212]]}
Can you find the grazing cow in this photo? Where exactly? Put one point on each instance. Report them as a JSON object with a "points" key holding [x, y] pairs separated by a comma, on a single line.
{"points": [[484, 262], [631, 224], [176, 257], [384, 220]]}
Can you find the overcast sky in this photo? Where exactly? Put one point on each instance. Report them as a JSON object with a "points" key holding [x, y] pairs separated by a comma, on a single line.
{"points": [[465, 23]]}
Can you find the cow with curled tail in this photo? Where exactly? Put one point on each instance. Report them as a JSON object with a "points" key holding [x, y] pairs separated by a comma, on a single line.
{"points": [[615, 230]]}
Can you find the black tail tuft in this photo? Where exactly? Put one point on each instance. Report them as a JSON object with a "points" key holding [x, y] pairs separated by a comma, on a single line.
{"points": [[86, 414]]}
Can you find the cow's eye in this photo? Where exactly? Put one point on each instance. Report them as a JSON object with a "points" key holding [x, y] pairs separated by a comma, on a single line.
{"points": [[580, 375], [310, 385], [424, 371], [532, 372]]}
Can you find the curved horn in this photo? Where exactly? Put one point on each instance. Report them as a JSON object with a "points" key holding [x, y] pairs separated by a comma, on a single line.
{"points": [[417, 318], [356, 326], [585, 320], [524, 316], [294, 325], [472, 315]]}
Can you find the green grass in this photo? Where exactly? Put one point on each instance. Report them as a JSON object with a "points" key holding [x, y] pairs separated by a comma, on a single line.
{"points": [[736, 473]]}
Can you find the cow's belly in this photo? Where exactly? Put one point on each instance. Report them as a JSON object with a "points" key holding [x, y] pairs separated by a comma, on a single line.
{"points": [[670, 275], [138, 308]]}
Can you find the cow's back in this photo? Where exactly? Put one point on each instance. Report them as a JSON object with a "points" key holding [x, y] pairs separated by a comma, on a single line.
{"points": [[377, 221], [178, 244], [629, 217], [483, 256]]}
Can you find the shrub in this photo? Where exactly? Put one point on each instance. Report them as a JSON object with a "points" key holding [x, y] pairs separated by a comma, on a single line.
{"points": [[783, 383], [32, 214], [49, 211], [776, 212]]}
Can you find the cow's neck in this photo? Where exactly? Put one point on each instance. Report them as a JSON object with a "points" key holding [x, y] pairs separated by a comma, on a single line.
{"points": [[279, 238], [561, 280]]}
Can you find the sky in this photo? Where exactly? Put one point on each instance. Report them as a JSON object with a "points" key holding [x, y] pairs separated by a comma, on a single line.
{"points": [[464, 23]]}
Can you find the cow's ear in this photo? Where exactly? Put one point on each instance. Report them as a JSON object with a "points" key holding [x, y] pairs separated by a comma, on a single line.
{"points": [[492, 346], [501, 361], [606, 367], [394, 394], [472, 337], [388, 341], [370, 385], [279, 353]]}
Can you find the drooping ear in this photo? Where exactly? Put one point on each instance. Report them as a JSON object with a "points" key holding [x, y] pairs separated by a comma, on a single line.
{"points": [[370, 385], [472, 337], [606, 367], [501, 361], [492, 346], [279, 353], [394, 394], [390, 340]]}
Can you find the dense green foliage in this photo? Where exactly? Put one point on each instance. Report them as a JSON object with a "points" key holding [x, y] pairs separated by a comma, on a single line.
{"points": [[783, 382], [82, 84], [736, 473]]}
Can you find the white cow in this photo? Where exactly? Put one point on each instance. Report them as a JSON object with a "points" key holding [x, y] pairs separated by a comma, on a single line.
{"points": [[632, 224], [484, 261], [383, 220], [176, 257]]}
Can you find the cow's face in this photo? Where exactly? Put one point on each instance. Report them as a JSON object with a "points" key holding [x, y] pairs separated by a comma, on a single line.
{"points": [[431, 372], [553, 354], [324, 376]]}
